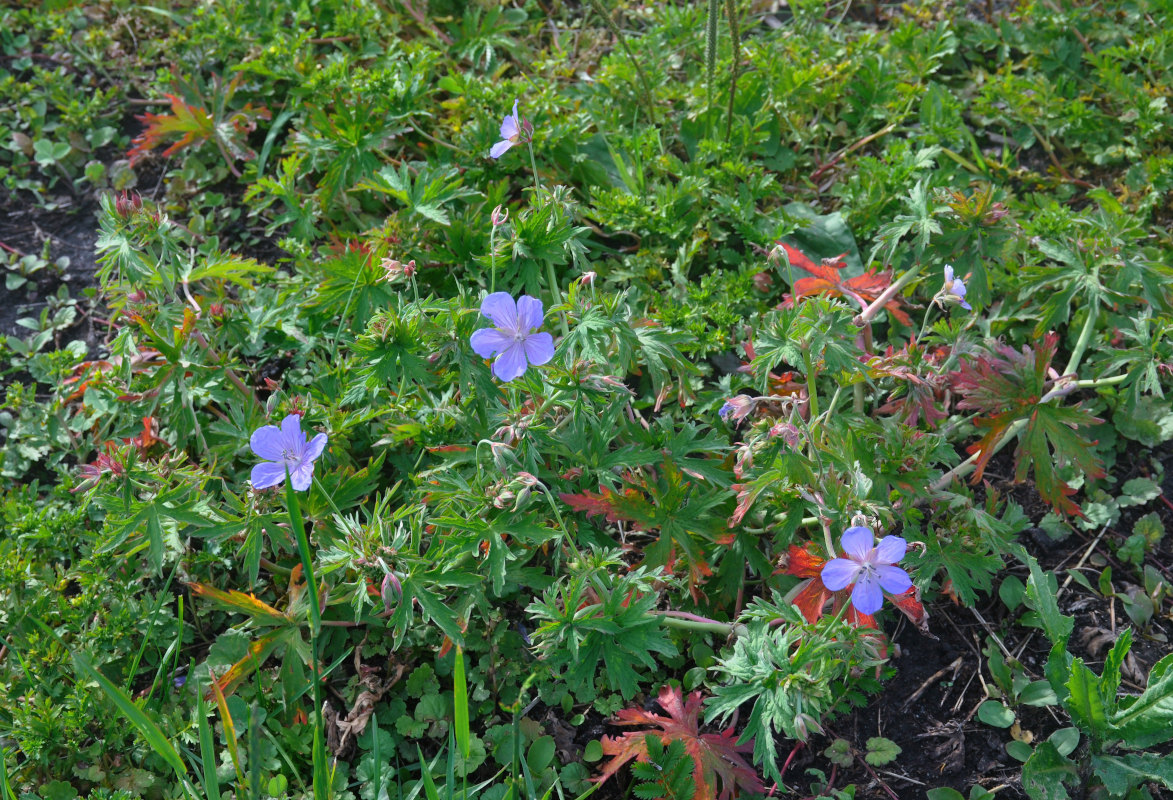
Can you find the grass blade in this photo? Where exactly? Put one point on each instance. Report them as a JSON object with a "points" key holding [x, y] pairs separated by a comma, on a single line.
{"points": [[210, 781], [460, 702], [151, 732]]}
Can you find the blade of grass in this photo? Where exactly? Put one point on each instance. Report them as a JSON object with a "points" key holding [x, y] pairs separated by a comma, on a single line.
{"points": [[211, 783], [254, 749], [426, 776], [460, 702], [147, 728], [229, 729], [150, 619], [6, 792], [321, 771]]}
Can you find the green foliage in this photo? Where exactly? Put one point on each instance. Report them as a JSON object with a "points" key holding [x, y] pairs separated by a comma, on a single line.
{"points": [[708, 224], [795, 674]]}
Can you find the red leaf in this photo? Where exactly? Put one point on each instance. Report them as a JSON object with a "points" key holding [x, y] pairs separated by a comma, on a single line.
{"points": [[605, 502], [717, 759], [192, 122], [804, 562], [1009, 388], [863, 289]]}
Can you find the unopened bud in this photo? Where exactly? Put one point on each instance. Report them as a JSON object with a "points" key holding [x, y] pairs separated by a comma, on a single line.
{"points": [[126, 204], [394, 269], [391, 591], [499, 216]]}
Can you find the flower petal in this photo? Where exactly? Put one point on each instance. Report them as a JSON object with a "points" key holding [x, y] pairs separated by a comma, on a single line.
{"points": [[866, 596], [511, 125], [894, 580], [268, 474], [510, 364], [890, 550], [539, 348], [857, 543], [838, 573], [291, 433], [529, 313], [303, 476], [488, 342], [500, 308], [499, 149], [267, 442], [948, 274], [314, 448], [966, 306]]}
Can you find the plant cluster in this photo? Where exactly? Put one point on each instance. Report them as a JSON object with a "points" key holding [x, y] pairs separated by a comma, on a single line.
{"points": [[464, 385]]}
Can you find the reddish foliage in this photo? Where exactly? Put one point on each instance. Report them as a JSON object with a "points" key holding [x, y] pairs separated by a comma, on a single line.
{"points": [[605, 502], [1016, 387], [863, 289], [717, 758], [811, 599]]}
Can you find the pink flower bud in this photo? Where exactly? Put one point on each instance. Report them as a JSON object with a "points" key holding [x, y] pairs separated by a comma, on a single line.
{"points": [[391, 591], [499, 216]]}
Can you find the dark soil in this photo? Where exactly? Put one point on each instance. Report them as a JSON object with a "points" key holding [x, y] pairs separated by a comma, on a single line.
{"points": [[929, 708], [71, 231]]}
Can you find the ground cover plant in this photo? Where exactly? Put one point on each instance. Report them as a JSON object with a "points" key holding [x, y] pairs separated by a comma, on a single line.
{"points": [[541, 399]]}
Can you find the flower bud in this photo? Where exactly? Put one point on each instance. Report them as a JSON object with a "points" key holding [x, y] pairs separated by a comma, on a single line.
{"points": [[499, 216], [391, 591]]}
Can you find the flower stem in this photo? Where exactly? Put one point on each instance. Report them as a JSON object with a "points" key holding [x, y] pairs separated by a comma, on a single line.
{"points": [[492, 259], [878, 304], [811, 389], [1085, 336]]}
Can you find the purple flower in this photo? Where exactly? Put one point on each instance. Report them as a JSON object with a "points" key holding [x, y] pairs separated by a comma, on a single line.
{"points": [[869, 568], [285, 447], [955, 287], [513, 338], [511, 129]]}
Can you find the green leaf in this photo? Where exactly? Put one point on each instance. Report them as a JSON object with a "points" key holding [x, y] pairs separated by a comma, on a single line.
{"points": [[1148, 720], [1045, 772], [1149, 422], [1038, 693], [1151, 528], [460, 702], [1124, 772], [881, 751], [1132, 550], [1086, 701], [1020, 751], [1065, 740], [1011, 591], [1040, 594], [944, 793], [994, 713]]}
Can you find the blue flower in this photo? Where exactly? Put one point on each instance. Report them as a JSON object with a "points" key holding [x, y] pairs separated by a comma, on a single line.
{"points": [[869, 568], [956, 287], [285, 448], [511, 129], [513, 340]]}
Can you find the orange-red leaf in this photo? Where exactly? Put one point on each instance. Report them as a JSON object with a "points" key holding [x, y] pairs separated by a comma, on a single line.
{"points": [[244, 603], [259, 651], [863, 289], [192, 123], [717, 758]]}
